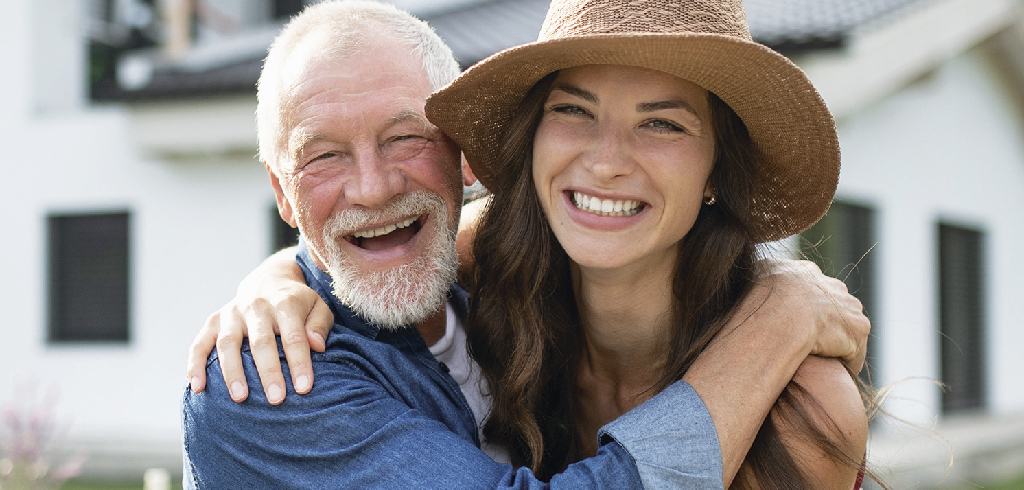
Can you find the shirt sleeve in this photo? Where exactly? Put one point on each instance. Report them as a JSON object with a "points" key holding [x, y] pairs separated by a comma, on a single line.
{"points": [[351, 431], [672, 440]]}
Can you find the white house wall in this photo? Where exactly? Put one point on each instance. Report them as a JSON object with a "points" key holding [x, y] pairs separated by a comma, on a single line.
{"points": [[947, 147], [197, 226]]}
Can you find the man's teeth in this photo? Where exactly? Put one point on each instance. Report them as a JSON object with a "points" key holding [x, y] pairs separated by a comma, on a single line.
{"points": [[606, 207], [384, 230]]}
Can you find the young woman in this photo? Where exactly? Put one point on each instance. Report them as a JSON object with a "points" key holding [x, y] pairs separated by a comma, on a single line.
{"points": [[637, 154]]}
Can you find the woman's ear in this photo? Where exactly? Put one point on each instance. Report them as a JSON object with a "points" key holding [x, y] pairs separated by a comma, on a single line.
{"points": [[468, 178]]}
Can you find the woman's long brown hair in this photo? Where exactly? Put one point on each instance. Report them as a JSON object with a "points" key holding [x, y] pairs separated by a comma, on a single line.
{"points": [[525, 328]]}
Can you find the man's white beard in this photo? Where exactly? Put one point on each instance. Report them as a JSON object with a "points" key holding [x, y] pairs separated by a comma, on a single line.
{"points": [[407, 294]]}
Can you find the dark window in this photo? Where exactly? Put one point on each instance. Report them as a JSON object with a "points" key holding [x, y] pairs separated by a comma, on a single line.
{"points": [[89, 278], [283, 234], [284, 9], [961, 317], [841, 244]]}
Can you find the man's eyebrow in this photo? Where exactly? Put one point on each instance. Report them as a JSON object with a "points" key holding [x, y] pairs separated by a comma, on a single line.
{"points": [[576, 91], [407, 114], [666, 104], [301, 140]]}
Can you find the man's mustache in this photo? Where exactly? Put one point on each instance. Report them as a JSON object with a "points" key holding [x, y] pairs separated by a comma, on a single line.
{"points": [[348, 221]]}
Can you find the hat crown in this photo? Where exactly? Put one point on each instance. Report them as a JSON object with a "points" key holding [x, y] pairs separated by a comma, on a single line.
{"points": [[570, 18]]}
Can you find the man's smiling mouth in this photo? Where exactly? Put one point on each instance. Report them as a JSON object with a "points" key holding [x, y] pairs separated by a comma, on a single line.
{"points": [[387, 236], [606, 207]]}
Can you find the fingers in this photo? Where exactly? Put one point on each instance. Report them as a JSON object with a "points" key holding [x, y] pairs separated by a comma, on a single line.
{"points": [[844, 326], [301, 318], [860, 328], [260, 319], [318, 324], [229, 353], [199, 352], [274, 296], [848, 313], [840, 324], [291, 317]]}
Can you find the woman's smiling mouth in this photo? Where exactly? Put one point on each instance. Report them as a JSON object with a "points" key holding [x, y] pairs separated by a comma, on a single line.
{"points": [[605, 207]]}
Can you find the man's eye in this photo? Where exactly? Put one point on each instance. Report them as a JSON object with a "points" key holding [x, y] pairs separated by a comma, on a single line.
{"points": [[324, 156]]}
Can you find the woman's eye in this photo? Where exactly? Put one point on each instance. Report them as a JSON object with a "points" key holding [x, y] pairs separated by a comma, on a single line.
{"points": [[572, 110], [664, 126]]}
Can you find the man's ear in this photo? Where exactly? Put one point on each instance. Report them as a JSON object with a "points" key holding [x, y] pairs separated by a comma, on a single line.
{"points": [[284, 206], [468, 178]]}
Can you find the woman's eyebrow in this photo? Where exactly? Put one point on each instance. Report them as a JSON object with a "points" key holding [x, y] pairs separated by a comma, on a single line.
{"points": [[576, 91], [666, 104]]}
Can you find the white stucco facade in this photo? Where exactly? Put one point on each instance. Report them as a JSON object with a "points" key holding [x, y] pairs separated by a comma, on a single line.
{"points": [[934, 133], [947, 148], [950, 149], [198, 224]]}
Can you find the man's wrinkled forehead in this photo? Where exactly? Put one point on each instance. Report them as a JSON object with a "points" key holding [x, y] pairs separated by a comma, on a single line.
{"points": [[369, 66], [314, 54], [352, 56]]}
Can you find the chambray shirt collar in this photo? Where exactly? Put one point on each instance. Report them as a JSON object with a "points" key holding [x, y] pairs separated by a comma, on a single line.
{"points": [[322, 283]]}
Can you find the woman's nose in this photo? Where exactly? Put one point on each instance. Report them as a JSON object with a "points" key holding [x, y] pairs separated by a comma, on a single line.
{"points": [[611, 155]]}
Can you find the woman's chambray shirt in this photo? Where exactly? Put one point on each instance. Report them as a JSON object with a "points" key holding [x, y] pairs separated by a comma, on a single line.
{"points": [[385, 414]]}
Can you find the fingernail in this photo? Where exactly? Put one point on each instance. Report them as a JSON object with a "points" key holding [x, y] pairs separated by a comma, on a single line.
{"points": [[237, 390], [274, 394], [319, 337], [302, 384], [194, 383]]}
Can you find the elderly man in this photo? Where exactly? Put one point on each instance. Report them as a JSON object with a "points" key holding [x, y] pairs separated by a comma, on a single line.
{"points": [[376, 191]]}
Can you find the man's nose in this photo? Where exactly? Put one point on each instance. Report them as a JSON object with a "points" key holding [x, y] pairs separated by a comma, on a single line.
{"points": [[376, 181]]}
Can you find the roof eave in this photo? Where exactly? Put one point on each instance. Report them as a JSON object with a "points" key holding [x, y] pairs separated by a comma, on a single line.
{"points": [[876, 63]]}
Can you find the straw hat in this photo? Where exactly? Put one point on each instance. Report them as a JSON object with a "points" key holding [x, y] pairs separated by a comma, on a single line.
{"points": [[704, 41]]}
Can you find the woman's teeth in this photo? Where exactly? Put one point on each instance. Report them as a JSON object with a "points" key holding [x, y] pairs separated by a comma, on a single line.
{"points": [[384, 230], [606, 207]]}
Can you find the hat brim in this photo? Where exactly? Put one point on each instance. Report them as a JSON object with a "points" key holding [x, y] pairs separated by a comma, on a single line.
{"points": [[784, 115]]}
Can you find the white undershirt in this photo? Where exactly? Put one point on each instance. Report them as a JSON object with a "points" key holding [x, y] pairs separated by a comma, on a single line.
{"points": [[451, 350]]}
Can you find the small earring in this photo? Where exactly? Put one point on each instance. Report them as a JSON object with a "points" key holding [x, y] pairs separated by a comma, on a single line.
{"points": [[708, 201]]}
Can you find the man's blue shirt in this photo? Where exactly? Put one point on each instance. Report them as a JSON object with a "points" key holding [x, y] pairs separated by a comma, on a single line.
{"points": [[385, 414]]}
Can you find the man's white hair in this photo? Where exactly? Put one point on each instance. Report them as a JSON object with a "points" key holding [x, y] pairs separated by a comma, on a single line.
{"points": [[341, 28]]}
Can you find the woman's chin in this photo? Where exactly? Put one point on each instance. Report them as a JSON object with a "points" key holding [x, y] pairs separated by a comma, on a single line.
{"points": [[601, 258], [622, 254]]}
